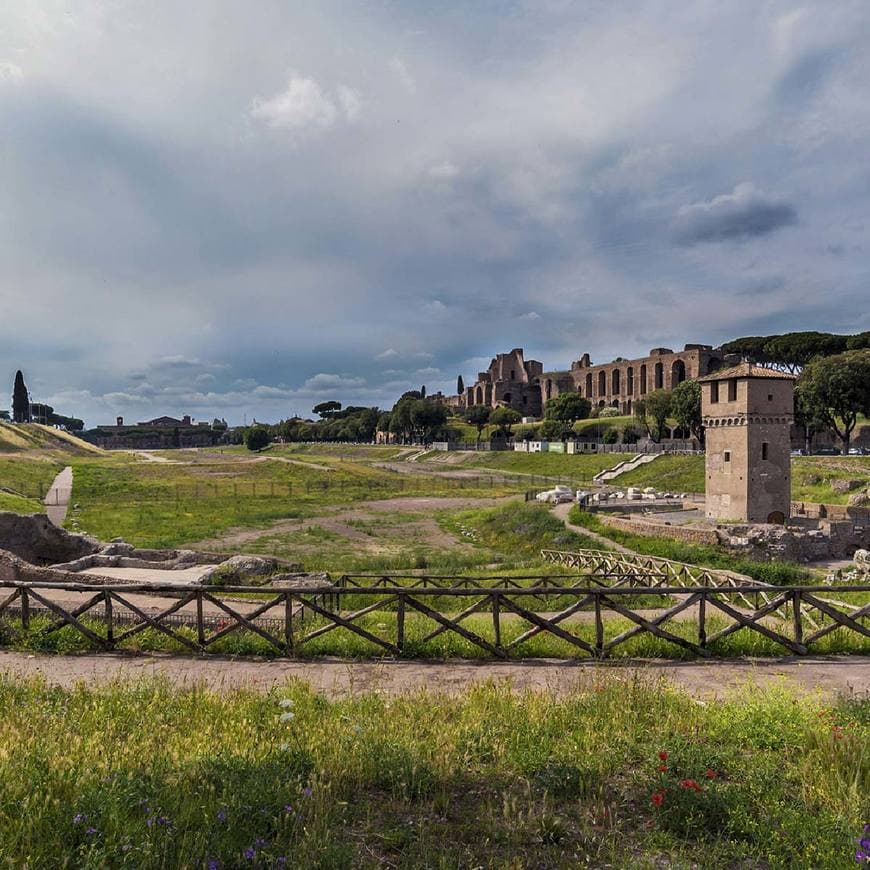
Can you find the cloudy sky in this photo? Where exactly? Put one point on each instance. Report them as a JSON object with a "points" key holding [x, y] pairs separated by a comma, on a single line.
{"points": [[235, 208]]}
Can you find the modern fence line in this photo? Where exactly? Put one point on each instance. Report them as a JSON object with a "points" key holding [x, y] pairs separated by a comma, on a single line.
{"points": [[335, 606]]}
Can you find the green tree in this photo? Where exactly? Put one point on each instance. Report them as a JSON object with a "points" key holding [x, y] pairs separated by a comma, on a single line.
{"points": [[794, 350], [835, 390], [460, 386], [861, 341], [327, 410], [478, 416], [257, 437], [653, 412], [504, 418], [427, 418], [20, 400], [568, 408], [555, 430], [686, 408]]}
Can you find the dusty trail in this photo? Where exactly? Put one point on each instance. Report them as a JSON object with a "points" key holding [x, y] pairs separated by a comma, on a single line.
{"points": [[829, 676], [58, 496]]}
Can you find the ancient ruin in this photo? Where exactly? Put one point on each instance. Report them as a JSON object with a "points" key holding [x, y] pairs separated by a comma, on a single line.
{"points": [[523, 384]]}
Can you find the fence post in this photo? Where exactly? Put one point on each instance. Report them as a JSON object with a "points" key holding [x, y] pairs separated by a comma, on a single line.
{"points": [[796, 616], [110, 630], [599, 626], [200, 622], [288, 623], [496, 619], [400, 623], [702, 619], [25, 609]]}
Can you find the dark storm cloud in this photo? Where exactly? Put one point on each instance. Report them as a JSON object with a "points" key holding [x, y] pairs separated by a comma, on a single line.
{"points": [[241, 218], [745, 213]]}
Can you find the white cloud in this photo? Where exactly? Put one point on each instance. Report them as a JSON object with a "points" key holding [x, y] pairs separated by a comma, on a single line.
{"points": [[397, 65], [329, 382], [10, 72], [445, 170], [531, 315], [389, 353], [304, 103]]}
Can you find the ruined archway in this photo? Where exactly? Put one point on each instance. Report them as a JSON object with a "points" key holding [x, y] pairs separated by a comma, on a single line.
{"points": [[629, 376], [776, 518], [615, 382], [658, 376], [602, 383], [678, 373], [643, 377], [589, 385]]}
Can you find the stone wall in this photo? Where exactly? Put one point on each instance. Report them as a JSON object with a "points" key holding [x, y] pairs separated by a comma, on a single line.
{"points": [[689, 534], [37, 541]]}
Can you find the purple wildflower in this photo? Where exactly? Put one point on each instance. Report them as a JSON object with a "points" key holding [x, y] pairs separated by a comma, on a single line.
{"points": [[150, 821], [259, 843], [281, 861], [222, 815], [91, 831], [250, 853], [78, 818], [213, 864], [308, 791], [288, 808]]}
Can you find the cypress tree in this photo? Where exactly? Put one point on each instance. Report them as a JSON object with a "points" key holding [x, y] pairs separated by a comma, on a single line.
{"points": [[460, 386], [20, 400]]}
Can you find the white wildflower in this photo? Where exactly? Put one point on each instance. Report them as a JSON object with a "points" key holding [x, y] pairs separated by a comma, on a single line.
{"points": [[287, 717]]}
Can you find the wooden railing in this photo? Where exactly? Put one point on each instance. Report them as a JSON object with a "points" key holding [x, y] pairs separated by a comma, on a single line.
{"points": [[107, 617]]}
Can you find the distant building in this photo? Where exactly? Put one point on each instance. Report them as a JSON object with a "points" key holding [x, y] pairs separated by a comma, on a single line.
{"points": [[161, 433], [748, 412]]}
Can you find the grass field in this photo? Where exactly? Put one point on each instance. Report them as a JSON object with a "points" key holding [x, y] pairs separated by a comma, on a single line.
{"points": [[145, 776], [198, 495]]}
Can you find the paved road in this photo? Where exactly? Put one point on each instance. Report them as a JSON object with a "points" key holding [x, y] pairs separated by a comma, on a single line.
{"points": [[830, 676], [58, 496]]}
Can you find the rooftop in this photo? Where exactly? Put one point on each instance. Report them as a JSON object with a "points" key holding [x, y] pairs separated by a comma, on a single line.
{"points": [[748, 370]]}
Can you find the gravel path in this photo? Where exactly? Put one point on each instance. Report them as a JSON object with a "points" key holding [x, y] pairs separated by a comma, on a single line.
{"points": [[830, 676], [58, 496]]}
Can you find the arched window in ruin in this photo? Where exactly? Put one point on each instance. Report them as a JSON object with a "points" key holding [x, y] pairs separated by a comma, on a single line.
{"points": [[643, 380], [614, 403], [601, 403], [678, 372], [513, 374], [589, 385], [507, 398], [602, 383], [629, 387], [659, 376], [628, 407], [478, 395], [615, 382], [777, 518]]}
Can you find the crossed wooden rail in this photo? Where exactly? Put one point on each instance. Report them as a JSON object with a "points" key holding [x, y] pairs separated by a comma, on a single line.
{"points": [[334, 607]]}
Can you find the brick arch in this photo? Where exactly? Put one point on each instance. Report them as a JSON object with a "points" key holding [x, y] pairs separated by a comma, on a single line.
{"points": [[629, 380], [589, 385], [678, 372], [659, 376], [616, 382], [602, 383], [643, 379]]}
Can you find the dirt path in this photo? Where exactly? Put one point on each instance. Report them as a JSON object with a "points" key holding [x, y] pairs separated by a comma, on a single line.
{"points": [[58, 496], [150, 456], [562, 510], [337, 519], [304, 463], [829, 676]]}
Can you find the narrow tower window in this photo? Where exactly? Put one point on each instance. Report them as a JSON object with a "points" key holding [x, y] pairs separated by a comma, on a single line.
{"points": [[764, 450]]}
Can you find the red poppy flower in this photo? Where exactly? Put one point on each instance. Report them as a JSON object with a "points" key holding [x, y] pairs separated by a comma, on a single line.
{"points": [[658, 798], [711, 774], [690, 784], [662, 768], [663, 756]]}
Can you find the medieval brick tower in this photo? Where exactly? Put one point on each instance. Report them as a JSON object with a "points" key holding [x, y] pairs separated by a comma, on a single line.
{"points": [[747, 412]]}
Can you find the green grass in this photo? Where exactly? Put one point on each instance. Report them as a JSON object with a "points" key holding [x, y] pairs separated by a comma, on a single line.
{"points": [[673, 473], [166, 505], [28, 477], [577, 467], [147, 776], [782, 573], [813, 477]]}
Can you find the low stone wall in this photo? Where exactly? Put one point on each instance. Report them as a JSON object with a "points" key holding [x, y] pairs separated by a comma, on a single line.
{"points": [[37, 541], [689, 534], [813, 511]]}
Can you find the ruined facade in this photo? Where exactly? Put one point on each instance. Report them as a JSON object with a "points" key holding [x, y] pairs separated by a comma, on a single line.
{"points": [[511, 380], [748, 412], [621, 383], [523, 385]]}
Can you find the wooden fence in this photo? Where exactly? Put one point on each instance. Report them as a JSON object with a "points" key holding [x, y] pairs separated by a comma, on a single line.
{"points": [[341, 607]]}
